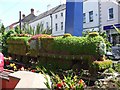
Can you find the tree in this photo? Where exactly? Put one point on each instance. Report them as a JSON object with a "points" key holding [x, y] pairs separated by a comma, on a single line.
{"points": [[2, 30]]}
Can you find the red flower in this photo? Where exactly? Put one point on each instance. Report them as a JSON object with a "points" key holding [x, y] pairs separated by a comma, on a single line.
{"points": [[59, 85], [33, 70], [7, 62], [81, 81]]}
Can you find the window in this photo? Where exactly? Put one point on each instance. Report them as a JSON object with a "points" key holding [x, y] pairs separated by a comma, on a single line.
{"points": [[61, 14], [61, 25], [42, 25], [91, 16], [84, 18], [56, 26], [111, 16], [47, 25], [56, 16]]}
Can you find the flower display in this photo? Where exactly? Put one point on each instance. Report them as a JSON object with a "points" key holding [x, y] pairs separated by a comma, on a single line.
{"points": [[72, 82], [39, 36]]}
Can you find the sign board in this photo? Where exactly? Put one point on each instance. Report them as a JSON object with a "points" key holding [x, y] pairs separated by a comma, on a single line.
{"points": [[109, 27]]}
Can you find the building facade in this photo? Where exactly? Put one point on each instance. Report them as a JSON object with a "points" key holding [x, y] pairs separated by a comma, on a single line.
{"points": [[98, 15], [54, 19], [110, 15]]}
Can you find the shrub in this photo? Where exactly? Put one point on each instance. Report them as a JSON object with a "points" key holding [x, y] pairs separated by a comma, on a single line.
{"points": [[101, 65], [18, 45], [92, 34], [67, 35]]}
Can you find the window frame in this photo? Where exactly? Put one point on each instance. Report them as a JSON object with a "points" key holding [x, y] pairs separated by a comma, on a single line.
{"points": [[90, 16], [110, 13], [61, 25], [84, 17], [56, 27]]}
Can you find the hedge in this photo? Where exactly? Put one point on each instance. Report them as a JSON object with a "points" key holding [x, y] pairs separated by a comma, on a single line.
{"points": [[101, 65], [74, 45], [18, 45]]}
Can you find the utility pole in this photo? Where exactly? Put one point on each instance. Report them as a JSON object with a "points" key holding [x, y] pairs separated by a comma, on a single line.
{"points": [[20, 20]]}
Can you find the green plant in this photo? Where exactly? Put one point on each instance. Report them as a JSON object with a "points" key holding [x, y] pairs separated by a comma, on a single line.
{"points": [[116, 67], [69, 81], [101, 65], [67, 35], [18, 45]]}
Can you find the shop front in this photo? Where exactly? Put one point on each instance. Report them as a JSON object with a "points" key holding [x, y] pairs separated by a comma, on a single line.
{"points": [[113, 35]]}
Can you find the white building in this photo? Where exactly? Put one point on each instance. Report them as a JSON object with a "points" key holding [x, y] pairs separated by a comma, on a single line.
{"points": [[97, 15], [110, 13], [53, 19], [91, 15]]}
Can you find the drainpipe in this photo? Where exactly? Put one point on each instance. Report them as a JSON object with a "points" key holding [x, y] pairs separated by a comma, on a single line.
{"points": [[99, 13], [51, 23], [20, 20]]}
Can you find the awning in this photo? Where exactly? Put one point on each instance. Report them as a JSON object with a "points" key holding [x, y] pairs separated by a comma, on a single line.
{"points": [[111, 27]]}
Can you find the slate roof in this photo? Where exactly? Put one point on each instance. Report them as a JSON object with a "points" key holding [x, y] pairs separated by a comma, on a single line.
{"points": [[28, 18], [51, 11]]}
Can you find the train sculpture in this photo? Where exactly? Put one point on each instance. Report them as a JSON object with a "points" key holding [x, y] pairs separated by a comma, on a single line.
{"points": [[61, 52]]}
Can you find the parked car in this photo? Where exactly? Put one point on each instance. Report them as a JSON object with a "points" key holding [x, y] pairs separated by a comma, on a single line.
{"points": [[114, 54]]}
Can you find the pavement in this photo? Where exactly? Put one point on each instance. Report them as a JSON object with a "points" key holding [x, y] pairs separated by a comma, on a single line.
{"points": [[30, 80]]}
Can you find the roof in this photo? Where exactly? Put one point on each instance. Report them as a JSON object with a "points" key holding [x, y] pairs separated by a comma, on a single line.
{"points": [[28, 18], [51, 11], [61, 7]]}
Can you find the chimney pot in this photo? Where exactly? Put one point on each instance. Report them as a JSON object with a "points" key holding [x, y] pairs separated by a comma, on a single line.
{"points": [[32, 11], [23, 16]]}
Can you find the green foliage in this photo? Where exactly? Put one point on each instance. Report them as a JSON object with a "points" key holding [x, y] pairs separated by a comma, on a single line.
{"points": [[17, 30], [109, 70], [70, 81], [116, 67], [93, 34], [18, 45], [41, 30], [108, 44], [67, 35], [103, 34], [17, 40], [2, 29], [101, 65], [75, 45], [38, 29], [27, 29]]}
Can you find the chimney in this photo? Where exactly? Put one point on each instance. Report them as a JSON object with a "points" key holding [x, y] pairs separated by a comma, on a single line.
{"points": [[23, 16], [32, 11]]}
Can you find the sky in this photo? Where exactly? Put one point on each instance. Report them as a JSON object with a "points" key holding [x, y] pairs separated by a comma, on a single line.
{"points": [[9, 9]]}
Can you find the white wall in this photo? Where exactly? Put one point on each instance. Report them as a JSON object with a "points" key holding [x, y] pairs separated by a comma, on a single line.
{"points": [[41, 21], [58, 20], [91, 5], [105, 6]]}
